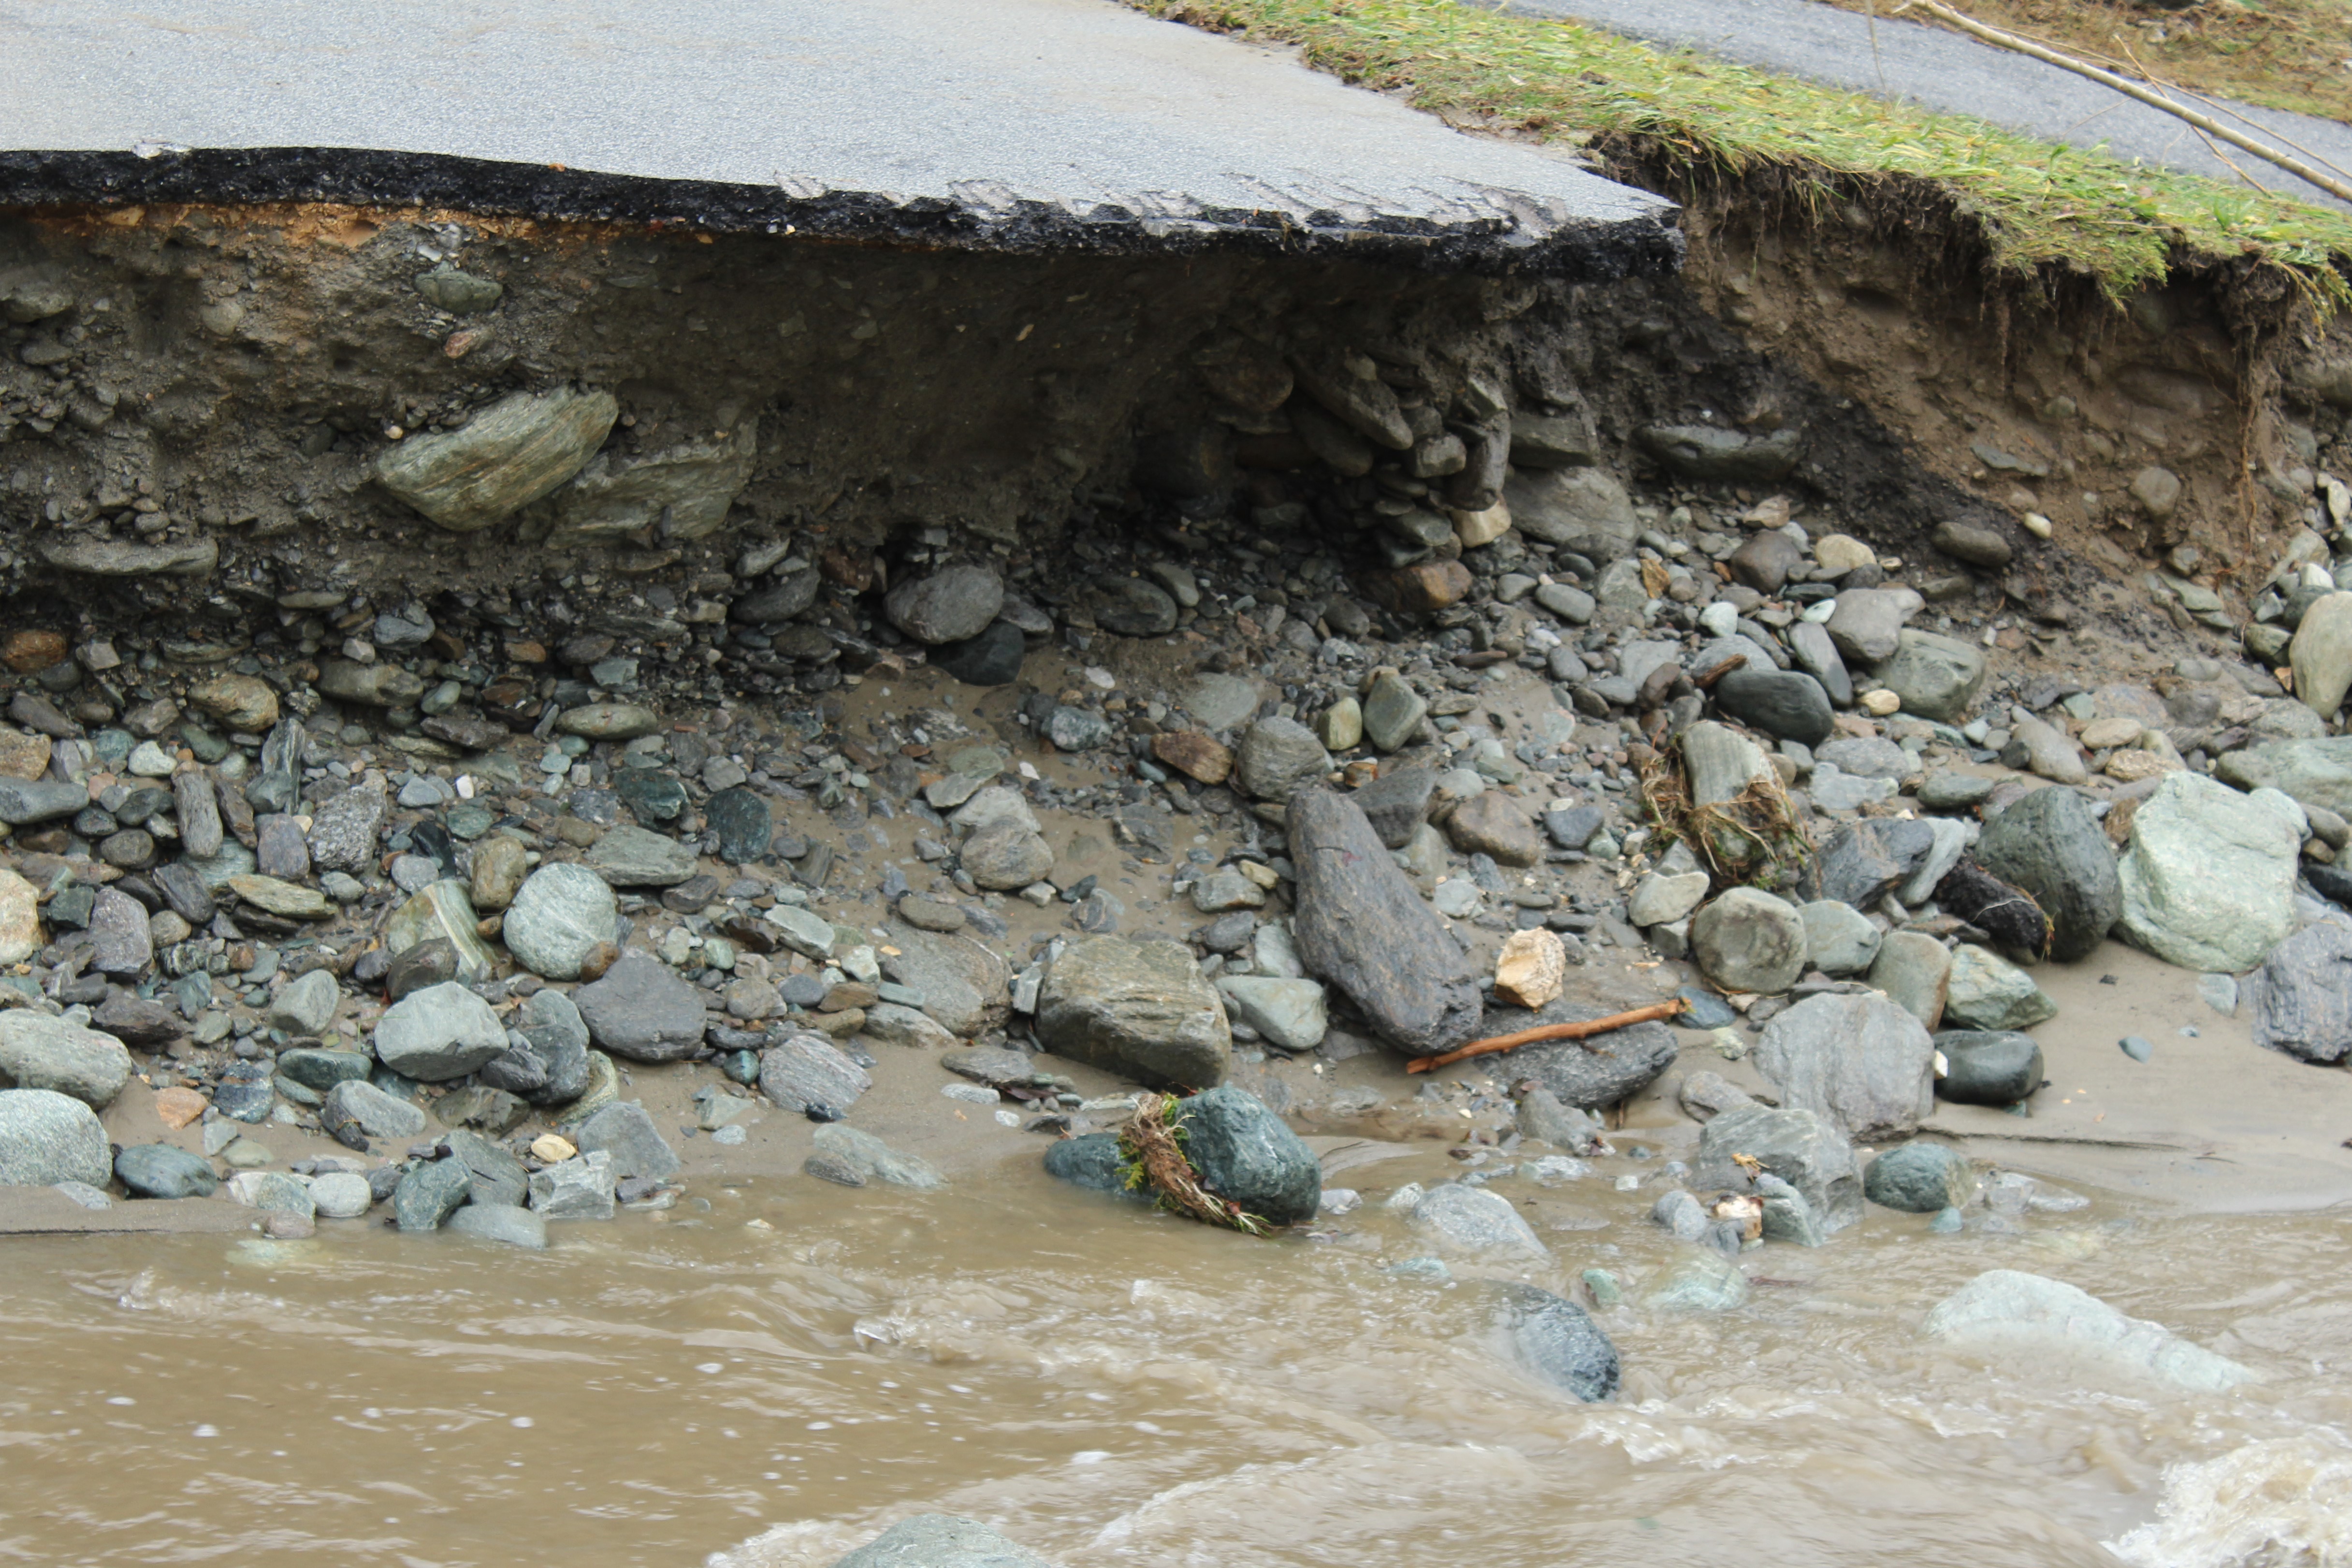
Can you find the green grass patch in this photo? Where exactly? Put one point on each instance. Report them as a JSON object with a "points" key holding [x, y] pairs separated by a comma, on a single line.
{"points": [[2038, 203]]}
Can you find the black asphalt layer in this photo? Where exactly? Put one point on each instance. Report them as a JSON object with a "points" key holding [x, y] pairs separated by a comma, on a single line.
{"points": [[1946, 70], [1018, 124]]}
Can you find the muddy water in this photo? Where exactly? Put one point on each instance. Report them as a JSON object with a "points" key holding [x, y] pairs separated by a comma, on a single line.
{"points": [[770, 1371]]}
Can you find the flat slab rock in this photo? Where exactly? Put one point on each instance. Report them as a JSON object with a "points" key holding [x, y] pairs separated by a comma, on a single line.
{"points": [[1588, 1074], [1362, 928]]}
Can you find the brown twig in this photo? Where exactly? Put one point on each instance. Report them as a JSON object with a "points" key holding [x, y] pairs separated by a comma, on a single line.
{"points": [[1493, 1043]]}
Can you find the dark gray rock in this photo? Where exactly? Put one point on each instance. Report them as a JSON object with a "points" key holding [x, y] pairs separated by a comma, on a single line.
{"points": [[160, 1171], [430, 1192], [1248, 1155], [1396, 802], [552, 1030], [991, 658], [439, 1033], [948, 606], [356, 1110], [118, 924], [1803, 1148], [1560, 1339], [1587, 1073], [499, 1177], [940, 1541], [1134, 608], [781, 601], [642, 1010], [320, 1070], [2050, 845], [625, 1133], [1764, 562], [510, 1223], [1573, 828], [1780, 702], [742, 823], [1277, 758], [344, 830], [1091, 1161], [1713, 454], [1864, 861], [24, 802], [1816, 654], [1748, 940], [1988, 1066], [2306, 1005], [1139, 1007], [630, 857], [1920, 1178], [1361, 927]]}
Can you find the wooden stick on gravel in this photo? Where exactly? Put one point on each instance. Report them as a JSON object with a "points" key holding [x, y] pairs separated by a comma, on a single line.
{"points": [[1548, 1032]]}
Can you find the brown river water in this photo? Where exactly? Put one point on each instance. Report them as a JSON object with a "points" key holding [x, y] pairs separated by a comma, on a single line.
{"points": [[768, 1372]]}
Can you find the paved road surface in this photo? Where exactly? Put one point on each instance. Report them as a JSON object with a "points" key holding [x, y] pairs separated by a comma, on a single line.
{"points": [[1014, 123], [1946, 70]]}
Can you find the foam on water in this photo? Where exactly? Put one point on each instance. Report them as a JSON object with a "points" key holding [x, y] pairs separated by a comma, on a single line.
{"points": [[2284, 1502]]}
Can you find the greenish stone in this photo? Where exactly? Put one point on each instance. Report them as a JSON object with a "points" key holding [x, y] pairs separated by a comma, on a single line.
{"points": [[1919, 1178], [444, 909], [470, 820], [208, 747], [603, 1089], [979, 762], [459, 293], [655, 798]]}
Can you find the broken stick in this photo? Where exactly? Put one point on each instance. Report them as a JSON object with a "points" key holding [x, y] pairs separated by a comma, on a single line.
{"points": [[1493, 1043]]}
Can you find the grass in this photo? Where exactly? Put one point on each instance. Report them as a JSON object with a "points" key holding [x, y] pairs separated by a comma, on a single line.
{"points": [[2038, 203], [2282, 54]]}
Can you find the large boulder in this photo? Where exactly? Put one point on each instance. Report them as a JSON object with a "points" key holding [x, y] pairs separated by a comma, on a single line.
{"points": [[47, 1138], [442, 1031], [1801, 1148], [1361, 927], [37, 1051], [2316, 773], [506, 457], [1862, 1061], [1247, 1155], [2208, 879], [2006, 1309], [1136, 1007], [2052, 846], [2305, 1006], [963, 983]]}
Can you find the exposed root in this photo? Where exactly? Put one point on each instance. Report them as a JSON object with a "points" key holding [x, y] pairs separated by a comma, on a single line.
{"points": [[1152, 1147]]}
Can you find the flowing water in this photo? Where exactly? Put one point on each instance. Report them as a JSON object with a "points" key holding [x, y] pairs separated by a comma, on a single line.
{"points": [[768, 1372]]}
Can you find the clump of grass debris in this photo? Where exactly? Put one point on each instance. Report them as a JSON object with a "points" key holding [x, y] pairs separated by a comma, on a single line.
{"points": [[1754, 839], [1151, 1150], [2038, 203]]}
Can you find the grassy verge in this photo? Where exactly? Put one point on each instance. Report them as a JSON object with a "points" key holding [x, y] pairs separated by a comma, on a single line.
{"points": [[2040, 203], [2282, 54]]}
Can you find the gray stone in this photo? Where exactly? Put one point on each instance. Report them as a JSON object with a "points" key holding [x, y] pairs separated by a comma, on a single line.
{"points": [[1544, 1117], [498, 1176], [742, 822], [1914, 970], [272, 1191], [948, 605], [609, 720], [1221, 701], [1290, 1014], [940, 1541], [1277, 758], [1559, 1340], [1864, 861], [430, 1193], [551, 1033], [1396, 802], [1134, 608], [39, 1052], [439, 1033], [1785, 703], [1810, 646], [2305, 1006], [1004, 856], [1701, 1280], [1866, 628], [2321, 654], [343, 831], [1590, 1074], [1997, 1068], [197, 809], [577, 1188], [642, 1010], [1862, 1061], [307, 1005], [623, 1131], [356, 1110], [782, 600], [1920, 1178], [808, 1073], [24, 802], [117, 926], [630, 857], [1936, 677], [1950, 842], [991, 658], [2045, 750], [1138, 1008], [1392, 711], [1473, 1220], [1749, 941], [876, 1161], [1361, 927], [1681, 1215], [368, 685], [1661, 898], [1838, 939], [2208, 881], [963, 984], [1720, 764], [1568, 602], [1713, 454], [506, 1223], [1077, 729], [1989, 992], [507, 456], [160, 1171], [2005, 1310], [1867, 756], [1247, 1155], [561, 914], [1803, 1149], [1559, 506], [684, 491], [2316, 773], [894, 1023], [341, 1194]]}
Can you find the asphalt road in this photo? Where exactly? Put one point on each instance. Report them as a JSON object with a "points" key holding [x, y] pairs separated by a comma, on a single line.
{"points": [[1036, 123], [1946, 70]]}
